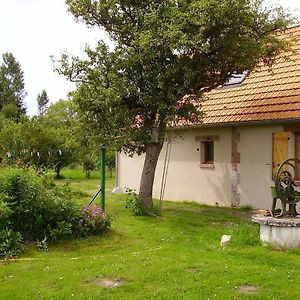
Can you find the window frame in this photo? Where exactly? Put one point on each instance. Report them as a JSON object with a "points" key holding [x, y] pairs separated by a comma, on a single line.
{"points": [[207, 162]]}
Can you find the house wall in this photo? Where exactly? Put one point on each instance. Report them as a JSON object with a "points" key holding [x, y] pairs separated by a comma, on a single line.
{"points": [[255, 166], [186, 180], [244, 178]]}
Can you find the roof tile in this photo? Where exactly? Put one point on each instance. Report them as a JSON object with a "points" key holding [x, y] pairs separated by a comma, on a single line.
{"points": [[266, 94]]}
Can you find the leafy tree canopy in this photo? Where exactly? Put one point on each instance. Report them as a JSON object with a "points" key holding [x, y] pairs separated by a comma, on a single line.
{"points": [[61, 114], [30, 143], [163, 51], [10, 111]]}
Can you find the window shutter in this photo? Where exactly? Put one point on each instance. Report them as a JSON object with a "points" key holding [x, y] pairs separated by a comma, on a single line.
{"points": [[280, 149]]}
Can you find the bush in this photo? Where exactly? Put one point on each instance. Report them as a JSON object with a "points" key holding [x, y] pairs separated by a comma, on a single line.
{"points": [[94, 219], [133, 203], [34, 208], [10, 243], [5, 212], [63, 230], [40, 210]]}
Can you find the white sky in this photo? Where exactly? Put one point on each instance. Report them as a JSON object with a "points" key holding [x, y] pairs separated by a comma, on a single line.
{"points": [[33, 30]]}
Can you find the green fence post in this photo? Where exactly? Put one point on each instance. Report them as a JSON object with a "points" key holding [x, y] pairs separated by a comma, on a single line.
{"points": [[103, 155]]}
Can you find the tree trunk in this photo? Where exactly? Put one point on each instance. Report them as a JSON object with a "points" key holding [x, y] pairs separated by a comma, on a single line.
{"points": [[147, 179], [57, 169]]}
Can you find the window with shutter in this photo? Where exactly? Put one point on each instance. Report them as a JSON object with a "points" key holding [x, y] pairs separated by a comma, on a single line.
{"points": [[297, 153], [280, 149]]}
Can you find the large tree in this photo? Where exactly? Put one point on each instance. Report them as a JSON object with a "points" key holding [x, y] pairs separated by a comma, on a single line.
{"points": [[166, 53], [12, 87]]}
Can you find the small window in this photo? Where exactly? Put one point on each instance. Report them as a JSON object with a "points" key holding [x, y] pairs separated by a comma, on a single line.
{"points": [[236, 78], [207, 153]]}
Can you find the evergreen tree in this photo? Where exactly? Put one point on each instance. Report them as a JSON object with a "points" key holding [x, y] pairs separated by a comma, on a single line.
{"points": [[42, 100], [12, 87]]}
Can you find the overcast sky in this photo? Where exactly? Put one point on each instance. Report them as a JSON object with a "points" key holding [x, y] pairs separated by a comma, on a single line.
{"points": [[33, 30]]}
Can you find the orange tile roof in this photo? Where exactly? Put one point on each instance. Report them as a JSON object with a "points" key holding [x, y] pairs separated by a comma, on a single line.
{"points": [[265, 95]]}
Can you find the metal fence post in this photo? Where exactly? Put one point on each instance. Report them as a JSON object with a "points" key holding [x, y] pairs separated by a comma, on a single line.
{"points": [[102, 183]]}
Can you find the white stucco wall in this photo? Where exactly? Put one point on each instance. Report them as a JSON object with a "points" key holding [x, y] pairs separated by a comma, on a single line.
{"points": [[186, 180], [255, 167]]}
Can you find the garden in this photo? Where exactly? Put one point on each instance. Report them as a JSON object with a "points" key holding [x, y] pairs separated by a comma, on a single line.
{"points": [[176, 255], [162, 57]]}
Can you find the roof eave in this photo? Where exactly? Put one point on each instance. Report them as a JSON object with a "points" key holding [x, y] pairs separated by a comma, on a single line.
{"points": [[233, 124]]}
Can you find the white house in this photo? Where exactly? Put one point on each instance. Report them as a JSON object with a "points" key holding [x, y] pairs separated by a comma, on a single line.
{"points": [[250, 126]]}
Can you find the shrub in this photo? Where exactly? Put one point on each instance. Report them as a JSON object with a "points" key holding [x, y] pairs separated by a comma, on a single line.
{"points": [[94, 220], [36, 209], [5, 212], [10, 243], [133, 203], [63, 230]]}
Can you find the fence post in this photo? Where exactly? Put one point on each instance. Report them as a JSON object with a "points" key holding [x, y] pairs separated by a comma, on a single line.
{"points": [[102, 182]]}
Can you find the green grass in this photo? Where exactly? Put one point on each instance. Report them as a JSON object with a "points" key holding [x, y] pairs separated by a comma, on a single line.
{"points": [[86, 188], [174, 256]]}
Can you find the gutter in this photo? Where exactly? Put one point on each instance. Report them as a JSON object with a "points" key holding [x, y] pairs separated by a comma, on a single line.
{"points": [[234, 124], [116, 189]]}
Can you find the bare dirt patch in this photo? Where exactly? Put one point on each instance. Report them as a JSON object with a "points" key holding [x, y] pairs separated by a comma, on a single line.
{"points": [[52, 287], [108, 282], [248, 289], [245, 215], [192, 270]]}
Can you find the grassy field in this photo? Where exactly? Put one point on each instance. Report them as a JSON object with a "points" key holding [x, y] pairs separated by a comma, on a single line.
{"points": [[174, 256]]}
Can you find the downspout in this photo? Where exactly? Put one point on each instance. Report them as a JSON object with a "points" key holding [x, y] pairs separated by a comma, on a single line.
{"points": [[235, 170], [116, 189]]}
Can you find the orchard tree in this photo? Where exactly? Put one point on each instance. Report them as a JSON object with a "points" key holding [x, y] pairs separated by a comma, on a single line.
{"points": [[89, 164], [30, 143], [62, 115], [166, 54], [43, 101], [61, 118], [111, 161], [12, 87]]}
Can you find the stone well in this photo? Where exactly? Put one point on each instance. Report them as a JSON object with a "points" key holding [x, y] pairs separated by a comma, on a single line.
{"points": [[279, 232]]}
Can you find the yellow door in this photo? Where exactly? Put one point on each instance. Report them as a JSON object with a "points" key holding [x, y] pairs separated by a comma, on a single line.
{"points": [[280, 149]]}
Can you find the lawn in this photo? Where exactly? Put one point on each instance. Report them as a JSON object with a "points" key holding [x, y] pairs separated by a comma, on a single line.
{"points": [[174, 256]]}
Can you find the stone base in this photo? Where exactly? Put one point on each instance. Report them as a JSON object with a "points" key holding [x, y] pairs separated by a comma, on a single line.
{"points": [[281, 232]]}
